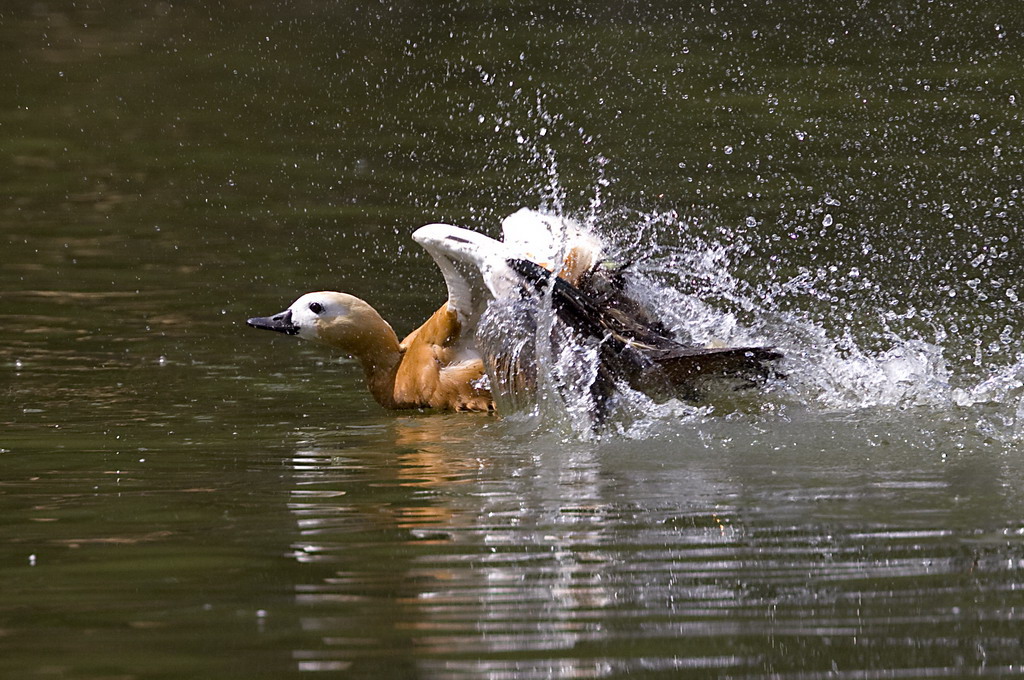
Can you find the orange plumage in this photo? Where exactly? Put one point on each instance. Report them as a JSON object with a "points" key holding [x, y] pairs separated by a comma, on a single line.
{"points": [[433, 367]]}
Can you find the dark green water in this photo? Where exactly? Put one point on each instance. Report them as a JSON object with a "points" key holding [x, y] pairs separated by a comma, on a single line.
{"points": [[181, 496]]}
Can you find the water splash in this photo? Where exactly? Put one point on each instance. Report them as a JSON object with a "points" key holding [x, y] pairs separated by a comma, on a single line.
{"points": [[998, 401], [857, 337], [828, 365], [863, 364]]}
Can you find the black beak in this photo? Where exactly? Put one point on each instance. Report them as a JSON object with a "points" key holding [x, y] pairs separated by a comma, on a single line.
{"points": [[282, 323]]}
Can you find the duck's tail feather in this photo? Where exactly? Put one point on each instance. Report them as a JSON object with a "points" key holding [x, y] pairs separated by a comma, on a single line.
{"points": [[693, 363]]}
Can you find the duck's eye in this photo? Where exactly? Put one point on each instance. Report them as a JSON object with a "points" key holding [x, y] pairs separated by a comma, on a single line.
{"points": [[316, 307]]}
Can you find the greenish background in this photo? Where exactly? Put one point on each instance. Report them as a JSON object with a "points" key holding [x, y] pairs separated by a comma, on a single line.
{"points": [[181, 496]]}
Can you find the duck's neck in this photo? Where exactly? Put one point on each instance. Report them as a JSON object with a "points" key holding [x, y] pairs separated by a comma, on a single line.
{"points": [[372, 341], [380, 367]]}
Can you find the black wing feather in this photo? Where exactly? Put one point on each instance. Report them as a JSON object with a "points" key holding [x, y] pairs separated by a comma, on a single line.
{"points": [[635, 347]]}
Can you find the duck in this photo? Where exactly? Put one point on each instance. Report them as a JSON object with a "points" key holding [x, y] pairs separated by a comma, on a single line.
{"points": [[436, 366], [478, 351]]}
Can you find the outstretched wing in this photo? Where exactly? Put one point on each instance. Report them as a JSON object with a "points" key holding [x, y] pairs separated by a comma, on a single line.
{"points": [[474, 268]]}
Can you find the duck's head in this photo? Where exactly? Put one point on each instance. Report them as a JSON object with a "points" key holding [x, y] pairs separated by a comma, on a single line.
{"points": [[337, 319]]}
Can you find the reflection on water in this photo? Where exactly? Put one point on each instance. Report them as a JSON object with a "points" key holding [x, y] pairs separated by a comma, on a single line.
{"points": [[576, 562]]}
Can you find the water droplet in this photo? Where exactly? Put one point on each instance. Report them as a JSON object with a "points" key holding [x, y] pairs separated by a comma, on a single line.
{"points": [[751, 222], [728, 150], [827, 220]]}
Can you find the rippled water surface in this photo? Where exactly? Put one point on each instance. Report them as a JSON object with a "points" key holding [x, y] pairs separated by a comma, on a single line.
{"points": [[182, 496]]}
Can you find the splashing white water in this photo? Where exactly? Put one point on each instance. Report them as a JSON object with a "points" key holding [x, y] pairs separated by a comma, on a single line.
{"points": [[857, 338], [1003, 394], [696, 291]]}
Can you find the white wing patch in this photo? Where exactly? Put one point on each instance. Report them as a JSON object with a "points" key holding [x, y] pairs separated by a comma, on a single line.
{"points": [[547, 239]]}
